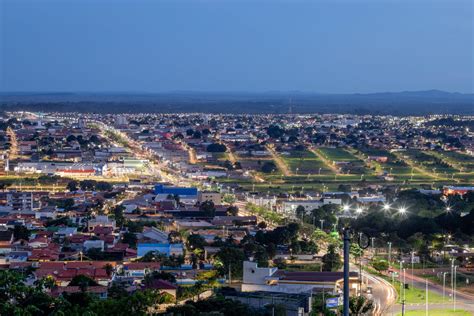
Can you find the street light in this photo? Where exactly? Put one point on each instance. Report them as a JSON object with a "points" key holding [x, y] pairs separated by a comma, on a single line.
{"points": [[454, 292], [322, 223], [402, 210], [389, 253], [444, 284], [386, 207]]}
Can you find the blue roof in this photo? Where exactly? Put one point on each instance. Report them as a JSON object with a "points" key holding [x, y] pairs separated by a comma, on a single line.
{"points": [[161, 189]]}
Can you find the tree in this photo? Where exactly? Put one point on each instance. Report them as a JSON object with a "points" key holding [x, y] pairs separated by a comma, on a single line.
{"points": [[196, 241], [380, 265], [232, 210], [233, 258], [83, 281], [275, 131], [21, 232], [216, 148], [360, 305], [130, 239], [103, 186], [331, 260], [300, 211], [208, 208], [159, 275], [72, 186], [118, 215], [269, 167]]}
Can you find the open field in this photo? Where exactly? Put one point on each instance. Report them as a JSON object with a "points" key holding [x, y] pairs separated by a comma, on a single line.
{"points": [[305, 162], [438, 312], [343, 160]]}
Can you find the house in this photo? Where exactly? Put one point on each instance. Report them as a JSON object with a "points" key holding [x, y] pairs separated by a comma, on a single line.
{"points": [[275, 280], [139, 269], [101, 220], [97, 290], [94, 244], [164, 248], [214, 197], [162, 286], [6, 240], [154, 234]]}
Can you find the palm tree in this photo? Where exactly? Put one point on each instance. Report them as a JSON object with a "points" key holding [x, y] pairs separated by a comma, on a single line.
{"points": [[360, 306]]}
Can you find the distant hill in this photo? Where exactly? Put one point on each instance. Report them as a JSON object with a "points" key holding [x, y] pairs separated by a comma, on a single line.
{"points": [[396, 103]]}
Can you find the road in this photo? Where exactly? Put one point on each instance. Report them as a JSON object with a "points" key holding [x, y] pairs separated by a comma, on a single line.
{"points": [[463, 301], [383, 293]]}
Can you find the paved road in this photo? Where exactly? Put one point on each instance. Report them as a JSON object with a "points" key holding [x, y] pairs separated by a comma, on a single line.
{"points": [[463, 301], [383, 293]]}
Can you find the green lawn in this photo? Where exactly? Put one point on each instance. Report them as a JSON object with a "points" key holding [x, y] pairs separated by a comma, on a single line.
{"points": [[415, 295], [438, 312]]}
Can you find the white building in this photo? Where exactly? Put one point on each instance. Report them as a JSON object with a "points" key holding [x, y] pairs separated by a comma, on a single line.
{"points": [[289, 207], [275, 280]]}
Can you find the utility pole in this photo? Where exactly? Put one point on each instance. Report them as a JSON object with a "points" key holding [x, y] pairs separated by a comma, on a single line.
{"points": [[454, 292], [444, 285], [426, 297], [346, 272], [389, 253]]}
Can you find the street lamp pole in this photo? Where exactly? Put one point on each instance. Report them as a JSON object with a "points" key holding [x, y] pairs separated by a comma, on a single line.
{"points": [[454, 292], [426, 295], [346, 272], [444, 285], [389, 253]]}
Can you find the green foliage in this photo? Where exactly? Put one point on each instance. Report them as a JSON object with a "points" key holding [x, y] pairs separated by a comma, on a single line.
{"points": [[118, 215], [159, 275], [196, 241], [21, 232], [130, 239], [208, 208], [225, 307], [380, 265], [17, 298], [231, 257], [269, 167], [216, 148], [360, 305], [331, 260]]}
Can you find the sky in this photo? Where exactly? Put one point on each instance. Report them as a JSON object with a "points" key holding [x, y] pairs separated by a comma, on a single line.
{"points": [[326, 46]]}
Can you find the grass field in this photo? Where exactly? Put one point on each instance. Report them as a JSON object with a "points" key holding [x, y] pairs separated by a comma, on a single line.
{"points": [[415, 295], [438, 312], [344, 160], [305, 162]]}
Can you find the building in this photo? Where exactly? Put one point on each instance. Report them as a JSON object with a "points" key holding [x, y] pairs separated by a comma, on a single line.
{"points": [[20, 201], [101, 221], [212, 196], [161, 189], [164, 248], [275, 280], [289, 207], [6, 240], [452, 190], [295, 304]]}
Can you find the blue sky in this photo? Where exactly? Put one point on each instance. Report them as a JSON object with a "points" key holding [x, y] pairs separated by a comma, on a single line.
{"points": [[154, 46]]}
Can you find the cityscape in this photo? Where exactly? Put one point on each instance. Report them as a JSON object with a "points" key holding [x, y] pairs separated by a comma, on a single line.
{"points": [[236, 158], [179, 209]]}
